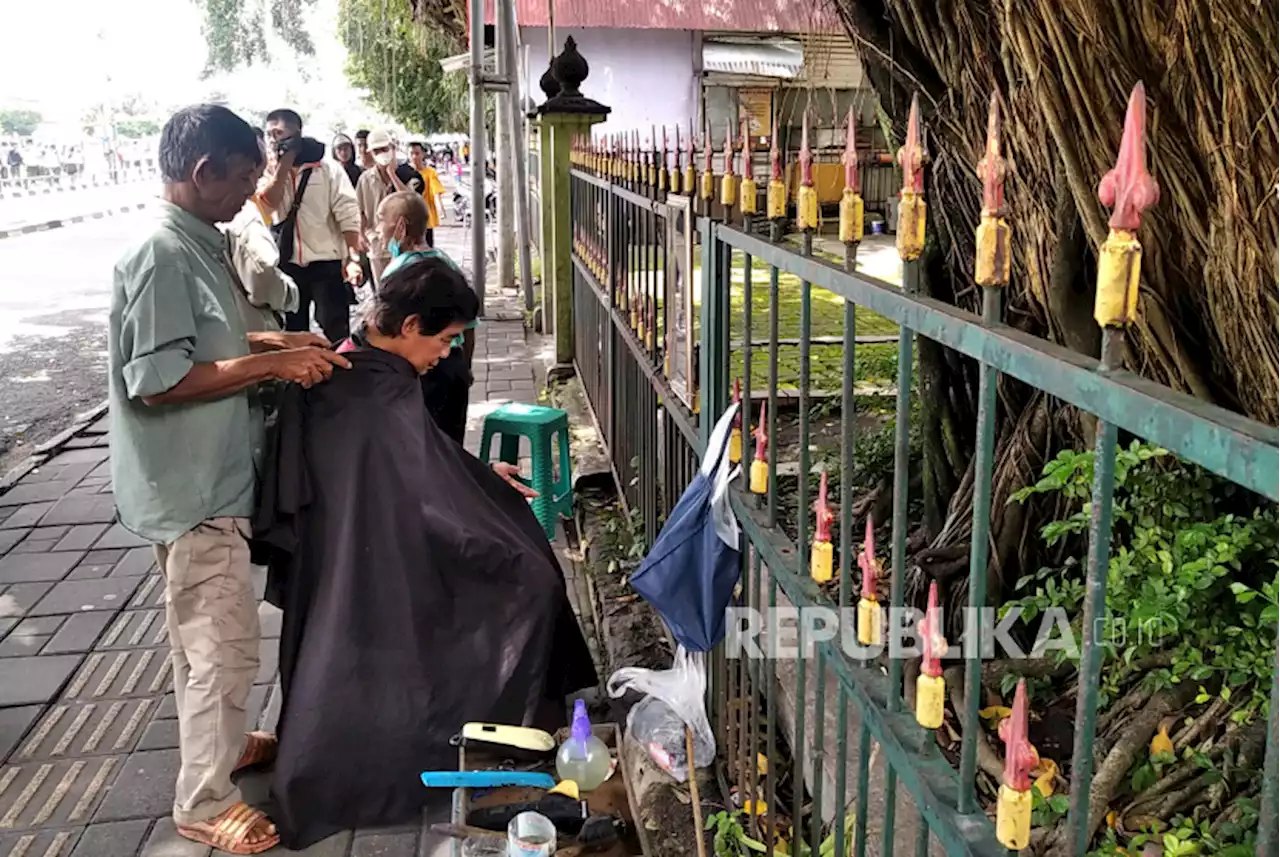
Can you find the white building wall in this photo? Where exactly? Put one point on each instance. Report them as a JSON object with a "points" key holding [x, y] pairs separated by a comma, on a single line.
{"points": [[646, 76]]}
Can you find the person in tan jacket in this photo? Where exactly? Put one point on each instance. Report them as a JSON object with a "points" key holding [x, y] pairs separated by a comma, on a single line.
{"points": [[321, 253]]}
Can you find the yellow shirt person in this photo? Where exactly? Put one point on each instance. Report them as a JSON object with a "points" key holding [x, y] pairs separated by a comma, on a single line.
{"points": [[431, 186]]}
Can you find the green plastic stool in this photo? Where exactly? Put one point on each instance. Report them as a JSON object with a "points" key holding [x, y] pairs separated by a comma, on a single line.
{"points": [[540, 425]]}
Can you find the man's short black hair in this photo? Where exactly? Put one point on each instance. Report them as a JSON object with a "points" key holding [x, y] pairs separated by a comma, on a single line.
{"points": [[432, 289], [204, 131], [417, 145], [362, 134], [287, 116]]}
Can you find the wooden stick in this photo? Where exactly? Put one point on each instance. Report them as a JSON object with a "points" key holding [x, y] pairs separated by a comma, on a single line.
{"points": [[693, 793]]}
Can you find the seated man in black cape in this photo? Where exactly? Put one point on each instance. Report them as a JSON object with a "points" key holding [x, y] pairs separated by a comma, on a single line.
{"points": [[419, 592]]}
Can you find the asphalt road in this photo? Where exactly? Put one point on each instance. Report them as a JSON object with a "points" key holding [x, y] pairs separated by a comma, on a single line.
{"points": [[55, 291]]}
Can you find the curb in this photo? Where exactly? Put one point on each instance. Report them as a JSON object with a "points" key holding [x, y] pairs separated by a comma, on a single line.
{"points": [[51, 447], [45, 226]]}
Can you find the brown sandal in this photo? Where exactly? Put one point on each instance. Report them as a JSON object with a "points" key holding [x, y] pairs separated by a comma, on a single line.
{"points": [[259, 749], [240, 830]]}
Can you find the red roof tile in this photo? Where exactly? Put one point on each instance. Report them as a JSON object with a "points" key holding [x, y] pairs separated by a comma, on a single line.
{"points": [[781, 16]]}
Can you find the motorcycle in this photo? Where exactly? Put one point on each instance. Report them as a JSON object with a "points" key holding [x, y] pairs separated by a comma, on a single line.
{"points": [[462, 199]]}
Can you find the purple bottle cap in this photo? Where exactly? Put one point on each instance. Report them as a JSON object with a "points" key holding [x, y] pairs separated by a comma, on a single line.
{"points": [[581, 728]]}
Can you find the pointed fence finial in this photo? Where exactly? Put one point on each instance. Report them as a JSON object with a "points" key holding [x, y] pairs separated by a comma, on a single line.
{"points": [[931, 689], [869, 625], [748, 190], [1128, 190], [992, 257], [851, 205], [690, 183], [735, 434], [759, 476], [807, 195], [708, 171], [821, 554], [912, 210], [776, 197], [728, 182], [1014, 799]]}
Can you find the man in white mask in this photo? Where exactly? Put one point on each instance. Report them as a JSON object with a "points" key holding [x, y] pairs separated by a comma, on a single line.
{"points": [[374, 186]]}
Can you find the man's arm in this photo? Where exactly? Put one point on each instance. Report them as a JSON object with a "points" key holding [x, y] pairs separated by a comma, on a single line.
{"points": [[347, 214], [282, 178]]}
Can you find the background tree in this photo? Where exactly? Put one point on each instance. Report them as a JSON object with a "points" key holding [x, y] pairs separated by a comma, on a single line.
{"points": [[398, 61], [21, 122], [236, 30]]}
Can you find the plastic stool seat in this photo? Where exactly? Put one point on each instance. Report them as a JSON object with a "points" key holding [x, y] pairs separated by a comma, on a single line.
{"points": [[541, 425]]}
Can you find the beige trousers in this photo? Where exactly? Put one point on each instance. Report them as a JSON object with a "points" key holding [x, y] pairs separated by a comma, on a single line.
{"points": [[212, 615]]}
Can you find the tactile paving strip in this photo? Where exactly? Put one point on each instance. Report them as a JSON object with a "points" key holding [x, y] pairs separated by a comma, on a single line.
{"points": [[119, 674], [43, 843], [134, 628], [53, 793], [149, 594], [75, 729]]}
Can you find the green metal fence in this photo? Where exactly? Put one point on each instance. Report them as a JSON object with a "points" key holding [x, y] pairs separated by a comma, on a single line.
{"points": [[856, 748]]}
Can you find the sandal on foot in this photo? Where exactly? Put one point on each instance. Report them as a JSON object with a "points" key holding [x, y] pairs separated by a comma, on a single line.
{"points": [[240, 830], [259, 749]]}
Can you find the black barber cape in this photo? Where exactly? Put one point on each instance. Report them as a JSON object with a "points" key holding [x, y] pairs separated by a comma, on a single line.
{"points": [[419, 594]]}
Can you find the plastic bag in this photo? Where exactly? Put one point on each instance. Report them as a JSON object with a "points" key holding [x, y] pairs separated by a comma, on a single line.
{"points": [[674, 699]]}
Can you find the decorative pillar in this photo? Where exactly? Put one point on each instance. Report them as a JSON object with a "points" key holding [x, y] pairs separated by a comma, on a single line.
{"points": [[564, 116]]}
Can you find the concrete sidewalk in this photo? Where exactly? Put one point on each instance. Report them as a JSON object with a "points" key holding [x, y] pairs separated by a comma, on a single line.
{"points": [[88, 735]]}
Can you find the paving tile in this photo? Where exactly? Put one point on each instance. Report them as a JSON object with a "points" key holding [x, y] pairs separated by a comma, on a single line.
{"points": [[270, 717], [136, 561], [334, 846], [9, 538], [30, 546], [271, 620], [26, 516], [82, 729], [73, 596], [55, 793], [268, 660], [168, 709], [386, 845], [150, 592], [40, 843], [30, 680], [81, 510], [43, 473], [81, 537], [20, 645], [159, 735], [82, 456], [102, 425], [77, 472], [103, 469], [113, 839], [144, 787], [35, 492], [78, 633], [19, 598], [14, 723], [7, 624], [38, 625], [164, 840], [30, 568], [119, 537], [128, 673]]}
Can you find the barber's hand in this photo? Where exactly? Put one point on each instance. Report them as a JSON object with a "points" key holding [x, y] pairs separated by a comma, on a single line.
{"points": [[353, 273], [509, 472], [279, 340], [306, 366]]}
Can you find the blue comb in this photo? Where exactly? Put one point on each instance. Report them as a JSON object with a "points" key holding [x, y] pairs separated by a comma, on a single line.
{"points": [[486, 779]]}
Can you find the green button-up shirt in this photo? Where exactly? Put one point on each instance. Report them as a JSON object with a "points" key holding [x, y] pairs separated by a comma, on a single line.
{"points": [[173, 305]]}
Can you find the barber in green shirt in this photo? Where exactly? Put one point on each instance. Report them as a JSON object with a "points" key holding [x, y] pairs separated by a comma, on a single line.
{"points": [[186, 442]]}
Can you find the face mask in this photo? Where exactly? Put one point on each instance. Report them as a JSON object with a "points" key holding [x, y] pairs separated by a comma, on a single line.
{"points": [[393, 247], [383, 158]]}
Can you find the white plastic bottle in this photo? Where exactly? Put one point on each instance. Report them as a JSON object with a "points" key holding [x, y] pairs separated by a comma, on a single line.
{"points": [[583, 757]]}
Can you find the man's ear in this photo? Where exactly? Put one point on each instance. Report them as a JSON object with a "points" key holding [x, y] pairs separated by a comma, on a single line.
{"points": [[411, 327], [204, 172]]}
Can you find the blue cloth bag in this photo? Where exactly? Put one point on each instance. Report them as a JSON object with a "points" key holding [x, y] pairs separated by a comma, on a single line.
{"points": [[690, 572]]}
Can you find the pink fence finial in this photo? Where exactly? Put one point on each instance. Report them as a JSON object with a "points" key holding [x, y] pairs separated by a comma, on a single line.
{"points": [[822, 511], [911, 155], [728, 149], [693, 143], [932, 644], [1020, 756], [708, 149], [806, 154], [762, 439], [775, 155], [850, 153], [746, 148], [1128, 189], [868, 563], [992, 167], [665, 143]]}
